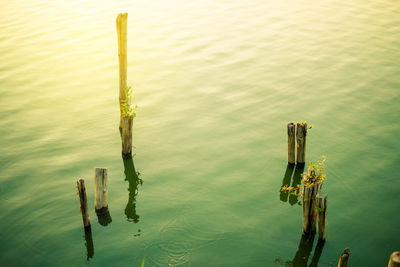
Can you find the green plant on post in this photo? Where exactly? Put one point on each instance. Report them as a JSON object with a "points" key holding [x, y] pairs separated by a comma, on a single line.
{"points": [[127, 107], [128, 112]]}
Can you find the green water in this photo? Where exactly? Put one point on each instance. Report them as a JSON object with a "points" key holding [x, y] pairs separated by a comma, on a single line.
{"points": [[216, 82]]}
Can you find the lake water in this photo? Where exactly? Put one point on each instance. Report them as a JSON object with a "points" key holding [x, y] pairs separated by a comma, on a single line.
{"points": [[216, 83]]}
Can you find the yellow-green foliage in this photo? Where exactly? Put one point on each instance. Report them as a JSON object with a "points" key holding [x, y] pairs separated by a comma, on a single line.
{"points": [[127, 108], [315, 174]]}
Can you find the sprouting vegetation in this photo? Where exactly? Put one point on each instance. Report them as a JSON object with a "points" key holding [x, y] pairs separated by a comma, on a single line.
{"points": [[314, 174], [127, 107]]}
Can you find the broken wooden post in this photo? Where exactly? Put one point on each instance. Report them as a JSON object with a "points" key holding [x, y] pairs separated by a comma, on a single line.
{"points": [[83, 201], [126, 135], [310, 192], [100, 190], [322, 206], [301, 133], [291, 142], [344, 258], [122, 22], [394, 259]]}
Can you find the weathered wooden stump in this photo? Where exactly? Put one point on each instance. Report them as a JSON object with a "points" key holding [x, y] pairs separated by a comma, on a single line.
{"points": [[309, 206], [291, 142], [127, 124], [344, 258], [122, 22], [322, 207], [83, 202], [100, 190], [394, 259], [301, 133]]}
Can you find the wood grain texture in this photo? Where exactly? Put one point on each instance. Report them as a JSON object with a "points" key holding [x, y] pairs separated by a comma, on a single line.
{"points": [[291, 142], [301, 133], [322, 207], [126, 135], [83, 202], [100, 189], [122, 33]]}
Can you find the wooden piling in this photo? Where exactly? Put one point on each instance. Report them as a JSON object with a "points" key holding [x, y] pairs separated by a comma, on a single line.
{"points": [[122, 22], [344, 258], [127, 124], [394, 259], [83, 202], [309, 206], [301, 133], [322, 206], [100, 190], [291, 142]]}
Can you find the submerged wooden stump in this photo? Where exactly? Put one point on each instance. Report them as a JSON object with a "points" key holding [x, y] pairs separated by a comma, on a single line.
{"points": [[126, 135], [100, 190], [291, 142], [322, 206], [301, 133], [83, 202], [344, 258], [394, 259]]}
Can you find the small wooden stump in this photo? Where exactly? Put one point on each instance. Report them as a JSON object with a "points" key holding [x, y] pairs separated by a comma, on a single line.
{"points": [[301, 133], [291, 142], [394, 259], [127, 123], [322, 206], [100, 190], [83, 202], [344, 258]]}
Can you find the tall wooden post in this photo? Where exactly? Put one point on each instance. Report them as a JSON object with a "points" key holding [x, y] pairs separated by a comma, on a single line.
{"points": [[301, 133], [100, 190], [291, 142], [83, 202], [394, 259], [122, 21], [344, 258], [322, 206]]}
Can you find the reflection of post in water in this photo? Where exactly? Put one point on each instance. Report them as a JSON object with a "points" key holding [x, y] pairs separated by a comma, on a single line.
{"points": [[304, 251], [317, 253], [286, 182], [133, 178], [104, 217], [302, 254], [297, 176], [89, 243]]}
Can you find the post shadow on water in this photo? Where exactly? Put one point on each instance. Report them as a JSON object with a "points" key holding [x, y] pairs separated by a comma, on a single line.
{"points": [[297, 172], [297, 176], [134, 181], [88, 243], [304, 251], [286, 181]]}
